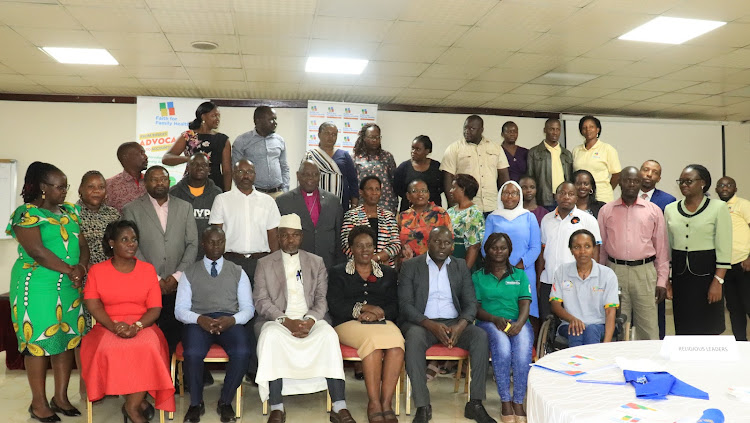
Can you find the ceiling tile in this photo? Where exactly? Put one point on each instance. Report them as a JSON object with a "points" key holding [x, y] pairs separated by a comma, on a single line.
{"points": [[461, 12], [603, 104], [651, 7], [15, 48], [687, 54], [44, 37], [23, 89], [99, 3], [476, 98], [678, 98], [721, 10], [614, 82], [342, 48], [702, 73], [33, 15], [600, 22], [625, 50], [394, 68], [592, 66], [47, 80], [274, 46], [635, 95], [424, 33], [509, 75], [414, 101], [100, 82], [588, 91], [14, 79], [719, 100], [74, 90], [135, 58], [266, 75], [352, 29], [210, 60], [381, 9], [421, 93], [146, 42], [385, 81], [375, 91], [563, 45], [490, 86], [538, 89], [373, 99], [711, 88], [505, 38], [472, 57], [528, 15], [519, 99], [285, 26], [450, 102], [280, 90], [324, 92], [310, 79], [648, 69], [438, 83], [193, 5], [664, 85], [184, 21], [534, 62], [215, 74], [282, 63], [739, 58], [740, 92], [161, 91], [733, 34], [507, 105], [453, 71], [5, 69], [276, 7], [123, 91], [114, 19], [408, 53], [742, 77], [563, 101], [181, 42], [158, 72]]}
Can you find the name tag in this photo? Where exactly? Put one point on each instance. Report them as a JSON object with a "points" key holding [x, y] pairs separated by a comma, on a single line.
{"points": [[513, 282], [700, 348]]}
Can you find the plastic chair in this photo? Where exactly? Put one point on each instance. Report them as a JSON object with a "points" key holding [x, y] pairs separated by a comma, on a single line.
{"points": [[440, 352]]}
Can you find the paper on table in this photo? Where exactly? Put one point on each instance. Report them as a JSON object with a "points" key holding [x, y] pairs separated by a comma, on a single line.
{"points": [[574, 365], [639, 364], [741, 393]]}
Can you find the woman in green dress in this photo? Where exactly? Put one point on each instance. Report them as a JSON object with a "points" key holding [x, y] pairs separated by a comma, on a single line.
{"points": [[45, 286], [467, 219]]}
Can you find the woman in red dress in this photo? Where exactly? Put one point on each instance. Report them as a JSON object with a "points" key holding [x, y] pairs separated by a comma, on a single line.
{"points": [[125, 353]]}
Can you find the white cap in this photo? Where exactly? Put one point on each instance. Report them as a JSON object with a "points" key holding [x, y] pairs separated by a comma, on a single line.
{"points": [[291, 221]]}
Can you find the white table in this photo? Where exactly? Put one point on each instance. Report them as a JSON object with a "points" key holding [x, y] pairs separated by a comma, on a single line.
{"points": [[557, 398]]}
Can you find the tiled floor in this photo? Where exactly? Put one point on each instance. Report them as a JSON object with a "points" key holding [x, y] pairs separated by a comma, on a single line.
{"points": [[447, 406]]}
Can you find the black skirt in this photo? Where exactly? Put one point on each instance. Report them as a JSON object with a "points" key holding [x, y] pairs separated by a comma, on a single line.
{"points": [[692, 274]]}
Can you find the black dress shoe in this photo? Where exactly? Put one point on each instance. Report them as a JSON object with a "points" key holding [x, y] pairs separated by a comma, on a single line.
{"points": [[423, 414], [277, 416], [149, 412], [250, 378], [70, 412], [475, 410], [194, 413], [226, 412], [49, 419]]}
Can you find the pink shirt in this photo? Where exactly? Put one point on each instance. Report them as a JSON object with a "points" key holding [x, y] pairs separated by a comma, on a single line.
{"points": [[122, 189], [162, 212], [312, 201], [636, 232]]}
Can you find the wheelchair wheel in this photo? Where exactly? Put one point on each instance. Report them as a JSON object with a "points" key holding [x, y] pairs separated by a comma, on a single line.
{"points": [[541, 347]]}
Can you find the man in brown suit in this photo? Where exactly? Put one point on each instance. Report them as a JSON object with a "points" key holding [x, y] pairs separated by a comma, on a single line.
{"points": [[290, 298]]}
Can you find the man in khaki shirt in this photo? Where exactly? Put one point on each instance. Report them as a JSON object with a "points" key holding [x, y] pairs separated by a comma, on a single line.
{"points": [[737, 279], [479, 157]]}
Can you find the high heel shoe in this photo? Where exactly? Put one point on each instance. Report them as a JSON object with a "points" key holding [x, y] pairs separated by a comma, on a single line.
{"points": [[49, 419], [71, 412], [149, 412], [126, 416]]}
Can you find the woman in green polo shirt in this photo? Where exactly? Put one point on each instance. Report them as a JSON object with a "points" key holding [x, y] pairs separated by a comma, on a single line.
{"points": [[504, 297], [700, 235]]}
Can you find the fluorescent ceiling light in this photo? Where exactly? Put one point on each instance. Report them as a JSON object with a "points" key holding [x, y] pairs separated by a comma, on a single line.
{"points": [[671, 30], [82, 56], [335, 65]]}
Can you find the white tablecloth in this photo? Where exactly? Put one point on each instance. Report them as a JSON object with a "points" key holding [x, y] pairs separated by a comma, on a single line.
{"points": [[557, 398]]}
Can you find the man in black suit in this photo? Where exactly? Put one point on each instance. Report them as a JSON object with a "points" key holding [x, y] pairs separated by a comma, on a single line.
{"points": [[437, 304], [320, 212]]}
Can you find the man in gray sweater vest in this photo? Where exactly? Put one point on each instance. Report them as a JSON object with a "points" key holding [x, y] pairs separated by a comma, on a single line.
{"points": [[214, 301]]}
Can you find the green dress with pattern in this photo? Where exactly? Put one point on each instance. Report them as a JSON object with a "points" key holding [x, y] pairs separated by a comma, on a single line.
{"points": [[45, 308]]}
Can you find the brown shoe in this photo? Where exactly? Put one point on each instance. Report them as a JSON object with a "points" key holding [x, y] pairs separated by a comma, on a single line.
{"points": [[277, 416], [343, 416]]}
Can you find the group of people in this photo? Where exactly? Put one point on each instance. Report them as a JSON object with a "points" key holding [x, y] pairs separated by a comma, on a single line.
{"points": [[280, 276]]}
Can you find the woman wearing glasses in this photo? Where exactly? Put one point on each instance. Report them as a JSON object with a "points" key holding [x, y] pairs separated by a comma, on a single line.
{"points": [[45, 286], [418, 220], [522, 228], [700, 235], [371, 159]]}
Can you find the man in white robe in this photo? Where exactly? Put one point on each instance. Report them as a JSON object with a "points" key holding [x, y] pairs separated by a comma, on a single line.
{"points": [[298, 351]]}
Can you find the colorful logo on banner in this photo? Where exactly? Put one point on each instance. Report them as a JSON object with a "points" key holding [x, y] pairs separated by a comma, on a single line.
{"points": [[166, 109], [347, 109], [330, 110], [313, 108]]}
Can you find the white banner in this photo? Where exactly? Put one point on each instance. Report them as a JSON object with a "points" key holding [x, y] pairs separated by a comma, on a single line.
{"points": [[159, 122], [348, 118]]}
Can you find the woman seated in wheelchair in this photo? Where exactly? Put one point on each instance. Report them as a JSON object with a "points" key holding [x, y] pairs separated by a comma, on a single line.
{"points": [[504, 296], [584, 294]]}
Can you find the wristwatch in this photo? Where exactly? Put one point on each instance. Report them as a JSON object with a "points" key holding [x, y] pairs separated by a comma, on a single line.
{"points": [[281, 319], [721, 281]]}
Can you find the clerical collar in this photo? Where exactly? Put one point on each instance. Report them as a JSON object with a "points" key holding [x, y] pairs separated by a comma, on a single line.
{"points": [[310, 194]]}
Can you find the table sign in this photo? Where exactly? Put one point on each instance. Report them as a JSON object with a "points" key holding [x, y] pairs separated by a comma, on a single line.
{"points": [[700, 348]]}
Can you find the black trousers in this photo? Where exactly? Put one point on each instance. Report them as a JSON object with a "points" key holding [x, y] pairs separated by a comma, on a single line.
{"points": [[249, 265], [168, 324], [737, 295]]}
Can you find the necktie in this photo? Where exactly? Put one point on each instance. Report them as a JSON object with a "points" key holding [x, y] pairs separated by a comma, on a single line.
{"points": [[214, 273], [644, 196]]}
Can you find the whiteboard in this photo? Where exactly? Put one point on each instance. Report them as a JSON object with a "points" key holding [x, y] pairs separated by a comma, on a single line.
{"points": [[673, 143], [8, 179]]}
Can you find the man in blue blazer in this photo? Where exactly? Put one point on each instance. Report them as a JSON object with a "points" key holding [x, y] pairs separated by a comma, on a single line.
{"points": [[437, 305], [650, 176]]}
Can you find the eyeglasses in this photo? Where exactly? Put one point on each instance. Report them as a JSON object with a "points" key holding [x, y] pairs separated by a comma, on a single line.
{"points": [[244, 172], [687, 181], [60, 187], [724, 185], [419, 191], [510, 194]]}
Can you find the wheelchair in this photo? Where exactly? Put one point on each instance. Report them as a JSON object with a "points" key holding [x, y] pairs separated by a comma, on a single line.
{"points": [[549, 341]]}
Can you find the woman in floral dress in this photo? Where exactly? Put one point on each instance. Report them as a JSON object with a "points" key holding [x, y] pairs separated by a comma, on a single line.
{"points": [[371, 159]]}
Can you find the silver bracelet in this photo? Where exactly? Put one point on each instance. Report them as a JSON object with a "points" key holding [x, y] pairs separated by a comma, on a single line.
{"points": [[357, 309]]}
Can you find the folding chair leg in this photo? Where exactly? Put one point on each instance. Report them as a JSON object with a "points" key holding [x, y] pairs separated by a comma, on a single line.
{"points": [[89, 410], [180, 375], [408, 395], [238, 395], [172, 370], [328, 402], [467, 384], [161, 416], [457, 379], [265, 407], [398, 394]]}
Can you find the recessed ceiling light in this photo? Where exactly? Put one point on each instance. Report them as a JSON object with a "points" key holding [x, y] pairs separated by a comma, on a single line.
{"points": [[81, 56], [671, 30], [204, 45], [335, 65]]}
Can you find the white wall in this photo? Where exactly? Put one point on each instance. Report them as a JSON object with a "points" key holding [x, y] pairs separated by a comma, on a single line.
{"points": [[737, 138], [673, 143]]}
